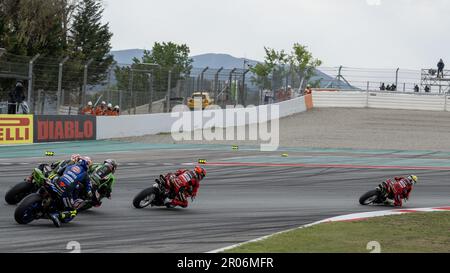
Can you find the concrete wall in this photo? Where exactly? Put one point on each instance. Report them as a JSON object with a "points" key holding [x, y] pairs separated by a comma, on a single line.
{"points": [[391, 100], [150, 124]]}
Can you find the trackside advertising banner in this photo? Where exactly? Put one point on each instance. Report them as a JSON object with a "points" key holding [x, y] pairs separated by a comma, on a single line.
{"points": [[52, 128], [16, 129]]}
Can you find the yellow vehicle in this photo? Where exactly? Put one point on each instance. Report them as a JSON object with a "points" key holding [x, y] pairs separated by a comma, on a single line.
{"points": [[194, 101]]}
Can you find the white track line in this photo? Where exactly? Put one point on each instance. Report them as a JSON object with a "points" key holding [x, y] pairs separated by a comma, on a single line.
{"points": [[343, 218]]}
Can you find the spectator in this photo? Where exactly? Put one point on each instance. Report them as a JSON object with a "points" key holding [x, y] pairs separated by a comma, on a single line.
{"points": [[440, 66], [88, 110], [267, 97], [388, 87], [393, 87], [116, 110], [100, 110], [16, 97], [109, 111], [427, 89], [382, 87], [416, 88], [308, 90]]}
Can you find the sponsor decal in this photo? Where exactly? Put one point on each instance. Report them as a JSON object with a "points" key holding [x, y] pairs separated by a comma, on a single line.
{"points": [[76, 169], [64, 128], [16, 129]]}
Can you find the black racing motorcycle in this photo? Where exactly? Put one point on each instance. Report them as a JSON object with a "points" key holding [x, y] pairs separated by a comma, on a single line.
{"points": [[153, 196], [377, 196], [39, 205]]}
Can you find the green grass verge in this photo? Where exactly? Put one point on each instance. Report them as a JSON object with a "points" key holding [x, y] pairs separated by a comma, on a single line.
{"points": [[416, 232]]}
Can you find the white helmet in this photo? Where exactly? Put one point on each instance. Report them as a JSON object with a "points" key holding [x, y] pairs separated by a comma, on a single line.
{"points": [[109, 105], [103, 102], [90, 103], [117, 107]]}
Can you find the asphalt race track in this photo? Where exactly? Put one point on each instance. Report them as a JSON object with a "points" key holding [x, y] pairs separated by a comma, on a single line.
{"points": [[236, 203]]}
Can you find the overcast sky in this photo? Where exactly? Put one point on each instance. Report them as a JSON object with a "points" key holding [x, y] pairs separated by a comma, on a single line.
{"points": [[358, 33]]}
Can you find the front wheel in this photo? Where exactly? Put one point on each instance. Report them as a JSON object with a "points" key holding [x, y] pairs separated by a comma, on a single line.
{"points": [[19, 192], [370, 197], [28, 209], [144, 198]]}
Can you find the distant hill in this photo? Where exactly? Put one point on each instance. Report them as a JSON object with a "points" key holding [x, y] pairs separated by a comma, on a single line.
{"points": [[212, 60]]}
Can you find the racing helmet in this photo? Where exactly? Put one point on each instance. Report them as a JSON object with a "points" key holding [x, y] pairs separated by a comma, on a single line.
{"points": [[413, 179], [88, 160], [201, 173], [111, 164]]}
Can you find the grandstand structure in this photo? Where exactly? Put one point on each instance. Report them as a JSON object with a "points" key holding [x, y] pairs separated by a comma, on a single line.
{"points": [[429, 77]]}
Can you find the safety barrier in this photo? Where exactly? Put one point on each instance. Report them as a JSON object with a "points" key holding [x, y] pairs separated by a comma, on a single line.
{"points": [[20, 129], [386, 100], [151, 124]]}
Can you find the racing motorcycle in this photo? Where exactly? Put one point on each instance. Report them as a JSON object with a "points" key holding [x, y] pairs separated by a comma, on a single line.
{"points": [[374, 197], [153, 196], [43, 172], [39, 205], [23, 189]]}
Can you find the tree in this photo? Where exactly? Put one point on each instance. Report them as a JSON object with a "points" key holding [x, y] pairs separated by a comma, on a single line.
{"points": [[89, 39], [29, 27], [168, 56], [303, 63], [279, 65], [274, 64]]}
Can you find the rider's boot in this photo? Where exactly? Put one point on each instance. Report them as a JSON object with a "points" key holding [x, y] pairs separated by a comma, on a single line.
{"points": [[168, 202], [67, 216], [55, 219]]}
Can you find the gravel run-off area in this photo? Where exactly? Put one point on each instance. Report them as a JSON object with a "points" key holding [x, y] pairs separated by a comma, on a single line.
{"points": [[352, 128]]}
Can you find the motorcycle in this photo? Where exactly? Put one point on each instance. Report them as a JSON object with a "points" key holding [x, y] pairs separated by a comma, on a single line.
{"points": [[100, 190], [23, 189], [374, 197], [39, 205], [43, 172], [153, 196]]}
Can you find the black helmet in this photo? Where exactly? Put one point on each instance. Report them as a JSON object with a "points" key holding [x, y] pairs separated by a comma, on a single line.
{"points": [[111, 163]]}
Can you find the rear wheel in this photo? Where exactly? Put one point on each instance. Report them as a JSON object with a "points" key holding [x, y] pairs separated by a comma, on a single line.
{"points": [[27, 210], [144, 198], [370, 197], [19, 192]]}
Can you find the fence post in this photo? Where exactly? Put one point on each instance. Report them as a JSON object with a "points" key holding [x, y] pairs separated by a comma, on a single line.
{"points": [[216, 84], [169, 83], [244, 94], [43, 103], [30, 82], [59, 95], [396, 77], [130, 86], [150, 90], [86, 66]]}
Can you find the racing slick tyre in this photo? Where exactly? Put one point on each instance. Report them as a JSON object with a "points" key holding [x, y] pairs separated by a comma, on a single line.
{"points": [[28, 208], [370, 197], [144, 198], [18, 192]]}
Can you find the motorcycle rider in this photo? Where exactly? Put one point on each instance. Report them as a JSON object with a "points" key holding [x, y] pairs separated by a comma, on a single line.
{"points": [[99, 174], [182, 184], [56, 167], [68, 186], [398, 189]]}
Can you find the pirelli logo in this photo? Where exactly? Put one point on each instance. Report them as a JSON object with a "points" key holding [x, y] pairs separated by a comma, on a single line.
{"points": [[16, 129]]}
